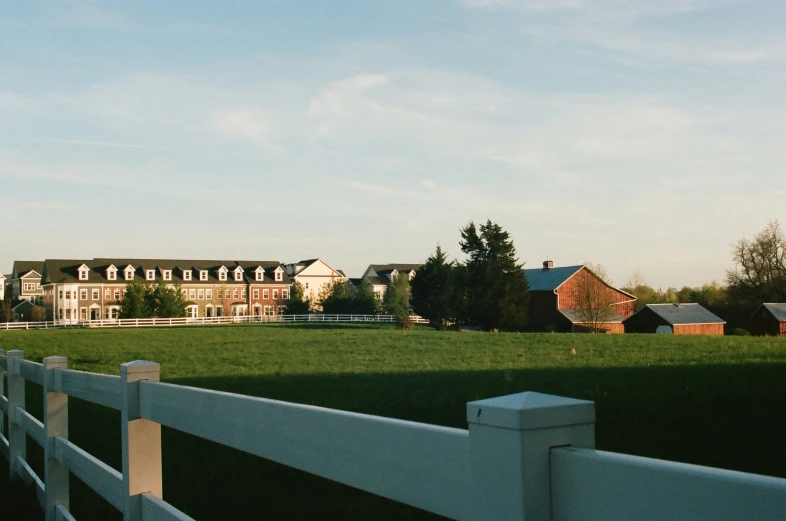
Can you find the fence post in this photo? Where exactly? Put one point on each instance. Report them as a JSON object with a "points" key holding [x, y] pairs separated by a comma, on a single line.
{"points": [[17, 439], [141, 440], [55, 424], [510, 438]]}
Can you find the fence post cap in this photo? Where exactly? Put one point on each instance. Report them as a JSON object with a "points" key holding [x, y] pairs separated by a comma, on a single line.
{"points": [[139, 366], [530, 410]]}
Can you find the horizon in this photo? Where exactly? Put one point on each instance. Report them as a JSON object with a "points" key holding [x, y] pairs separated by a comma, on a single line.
{"points": [[641, 137]]}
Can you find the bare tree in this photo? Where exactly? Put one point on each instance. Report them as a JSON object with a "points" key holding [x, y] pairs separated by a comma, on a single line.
{"points": [[594, 297], [759, 273]]}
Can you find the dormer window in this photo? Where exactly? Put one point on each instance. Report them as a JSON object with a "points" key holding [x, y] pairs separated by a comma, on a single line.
{"points": [[259, 273], [129, 273], [83, 271], [238, 274], [222, 273], [150, 274], [167, 274], [186, 274], [111, 273], [202, 274], [279, 275]]}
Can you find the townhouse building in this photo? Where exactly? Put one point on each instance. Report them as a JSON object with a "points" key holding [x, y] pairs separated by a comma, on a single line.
{"points": [[92, 289]]}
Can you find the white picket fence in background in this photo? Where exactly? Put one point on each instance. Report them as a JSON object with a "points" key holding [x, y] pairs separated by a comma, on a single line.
{"points": [[197, 321], [526, 456]]}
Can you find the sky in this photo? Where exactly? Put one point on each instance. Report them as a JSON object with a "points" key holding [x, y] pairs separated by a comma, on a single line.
{"points": [[643, 136]]}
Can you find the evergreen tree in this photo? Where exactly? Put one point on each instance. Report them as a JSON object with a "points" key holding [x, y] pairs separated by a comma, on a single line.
{"points": [[434, 292], [396, 302], [136, 303], [298, 304], [496, 288], [366, 301]]}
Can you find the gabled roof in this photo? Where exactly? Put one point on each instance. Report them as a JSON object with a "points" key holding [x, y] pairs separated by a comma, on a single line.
{"points": [[22, 267], [676, 314], [574, 315], [778, 310], [550, 279], [377, 281]]}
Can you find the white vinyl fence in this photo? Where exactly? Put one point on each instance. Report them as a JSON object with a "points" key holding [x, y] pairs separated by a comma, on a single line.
{"points": [[526, 456], [197, 321]]}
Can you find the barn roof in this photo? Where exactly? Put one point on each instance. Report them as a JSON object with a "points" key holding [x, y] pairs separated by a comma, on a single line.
{"points": [[550, 279], [778, 310], [685, 314], [574, 315]]}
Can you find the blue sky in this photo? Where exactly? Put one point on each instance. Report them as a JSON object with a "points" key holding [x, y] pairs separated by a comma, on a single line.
{"points": [[640, 135]]}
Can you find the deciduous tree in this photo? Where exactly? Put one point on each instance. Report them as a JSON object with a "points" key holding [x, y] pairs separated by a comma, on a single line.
{"points": [[396, 301], [594, 298], [298, 304], [759, 273]]}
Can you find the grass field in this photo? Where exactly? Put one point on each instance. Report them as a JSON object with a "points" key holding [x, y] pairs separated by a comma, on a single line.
{"points": [[715, 401]]}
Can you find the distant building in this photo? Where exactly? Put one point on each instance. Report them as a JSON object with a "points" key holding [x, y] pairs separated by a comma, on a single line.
{"points": [[26, 281], [313, 275], [555, 303], [677, 319], [381, 275], [23, 312], [2, 286], [769, 320]]}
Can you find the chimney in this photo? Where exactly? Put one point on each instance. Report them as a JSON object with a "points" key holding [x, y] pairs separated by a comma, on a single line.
{"points": [[547, 264]]}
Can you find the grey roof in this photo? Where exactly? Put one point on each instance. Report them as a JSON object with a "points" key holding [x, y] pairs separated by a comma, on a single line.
{"points": [[574, 314], [684, 314], [22, 267], [378, 281], [66, 270], [550, 279], [395, 266], [778, 310]]}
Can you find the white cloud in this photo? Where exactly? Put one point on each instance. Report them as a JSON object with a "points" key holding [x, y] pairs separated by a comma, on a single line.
{"points": [[251, 124]]}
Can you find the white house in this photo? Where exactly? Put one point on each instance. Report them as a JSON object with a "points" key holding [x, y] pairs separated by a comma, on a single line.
{"points": [[2, 286], [313, 274], [381, 275]]}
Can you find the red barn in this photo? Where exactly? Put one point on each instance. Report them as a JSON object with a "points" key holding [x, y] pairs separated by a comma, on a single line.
{"points": [[769, 320], [678, 319], [555, 295]]}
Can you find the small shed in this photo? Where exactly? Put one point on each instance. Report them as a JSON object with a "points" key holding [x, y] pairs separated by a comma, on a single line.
{"points": [[769, 320], [679, 319]]}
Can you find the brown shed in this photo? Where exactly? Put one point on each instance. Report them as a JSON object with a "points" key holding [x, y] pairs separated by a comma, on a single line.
{"points": [[769, 320], [677, 319]]}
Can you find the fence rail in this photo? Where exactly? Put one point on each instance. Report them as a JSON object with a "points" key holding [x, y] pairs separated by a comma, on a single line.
{"points": [[524, 456], [198, 321]]}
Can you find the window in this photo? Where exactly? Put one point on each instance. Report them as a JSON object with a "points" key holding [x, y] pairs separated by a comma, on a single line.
{"points": [[83, 274], [201, 294], [167, 274], [265, 294], [260, 274], [108, 294], [111, 275], [193, 311], [117, 294], [235, 294], [68, 295], [275, 294], [255, 294], [60, 294], [268, 311], [202, 274], [209, 294], [228, 293], [96, 294], [243, 293], [280, 276], [83, 294], [83, 313], [150, 274], [238, 276], [222, 273], [192, 294], [29, 286], [187, 275], [285, 294], [129, 274]]}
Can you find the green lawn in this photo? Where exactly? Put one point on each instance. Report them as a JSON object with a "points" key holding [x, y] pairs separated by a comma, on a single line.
{"points": [[715, 401]]}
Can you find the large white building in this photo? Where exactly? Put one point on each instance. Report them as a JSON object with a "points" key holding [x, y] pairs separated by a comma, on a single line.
{"points": [[313, 275]]}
